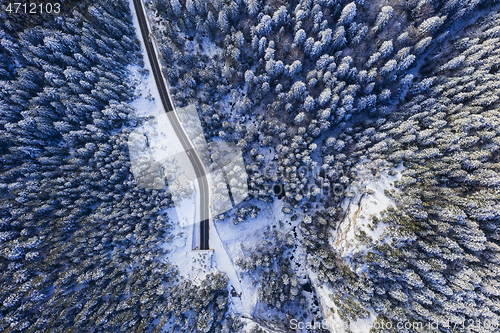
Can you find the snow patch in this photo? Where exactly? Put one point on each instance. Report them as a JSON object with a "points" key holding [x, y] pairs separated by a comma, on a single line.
{"points": [[328, 308], [364, 325], [210, 49], [233, 239], [361, 208]]}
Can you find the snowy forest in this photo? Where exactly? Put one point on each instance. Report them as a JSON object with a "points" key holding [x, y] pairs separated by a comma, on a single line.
{"points": [[349, 89]]}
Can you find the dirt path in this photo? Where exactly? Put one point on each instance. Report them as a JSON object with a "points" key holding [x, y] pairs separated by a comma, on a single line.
{"points": [[352, 223]]}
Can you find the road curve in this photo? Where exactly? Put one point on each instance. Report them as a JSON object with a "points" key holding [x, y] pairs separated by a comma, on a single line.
{"points": [[172, 116]]}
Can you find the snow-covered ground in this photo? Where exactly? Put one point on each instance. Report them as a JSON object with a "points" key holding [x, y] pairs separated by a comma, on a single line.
{"points": [[248, 234], [328, 308], [357, 218], [163, 146], [148, 103], [162, 140], [160, 144], [361, 208]]}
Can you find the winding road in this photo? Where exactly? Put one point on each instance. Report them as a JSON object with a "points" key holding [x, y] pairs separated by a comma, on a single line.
{"points": [[168, 106]]}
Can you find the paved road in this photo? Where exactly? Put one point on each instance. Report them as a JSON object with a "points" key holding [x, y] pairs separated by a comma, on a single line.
{"points": [[169, 109]]}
